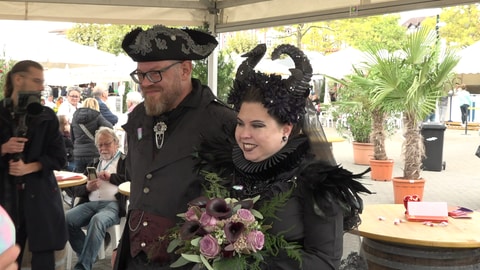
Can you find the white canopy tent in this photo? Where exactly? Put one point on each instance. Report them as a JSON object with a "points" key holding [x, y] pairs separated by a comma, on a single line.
{"points": [[82, 75], [221, 15], [20, 41], [469, 60], [65, 62], [340, 63]]}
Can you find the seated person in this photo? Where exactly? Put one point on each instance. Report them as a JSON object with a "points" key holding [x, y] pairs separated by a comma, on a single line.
{"points": [[100, 205]]}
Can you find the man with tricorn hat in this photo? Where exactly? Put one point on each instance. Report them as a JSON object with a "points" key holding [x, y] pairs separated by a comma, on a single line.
{"points": [[163, 133]]}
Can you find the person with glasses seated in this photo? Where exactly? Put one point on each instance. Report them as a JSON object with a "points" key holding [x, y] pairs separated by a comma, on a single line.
{"points": [[101, 205], [69, 107], [163, 132], [86, 121]]}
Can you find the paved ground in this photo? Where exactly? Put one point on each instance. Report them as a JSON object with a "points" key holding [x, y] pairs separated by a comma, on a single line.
{"points": [[458, 184]]}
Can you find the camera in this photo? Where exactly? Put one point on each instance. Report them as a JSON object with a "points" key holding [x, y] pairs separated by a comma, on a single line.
{"points": [[29, 103]]}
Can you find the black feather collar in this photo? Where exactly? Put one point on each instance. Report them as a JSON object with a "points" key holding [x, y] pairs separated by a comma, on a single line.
{"points": [[288, 158]]}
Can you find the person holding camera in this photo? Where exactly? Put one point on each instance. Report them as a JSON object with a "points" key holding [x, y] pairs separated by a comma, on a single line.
{"points": [[31, 149]]}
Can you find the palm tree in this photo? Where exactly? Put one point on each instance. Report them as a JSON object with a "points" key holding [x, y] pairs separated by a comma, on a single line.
{"points": [[378, 113], [410, 81]]}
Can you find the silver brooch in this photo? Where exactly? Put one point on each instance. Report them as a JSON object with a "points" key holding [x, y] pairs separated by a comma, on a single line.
{"points": [[159, 130]]}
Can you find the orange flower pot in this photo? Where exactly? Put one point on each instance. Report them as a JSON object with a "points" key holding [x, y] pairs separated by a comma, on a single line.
{"points": [[382, 170], [403, 187], [362, 153]]}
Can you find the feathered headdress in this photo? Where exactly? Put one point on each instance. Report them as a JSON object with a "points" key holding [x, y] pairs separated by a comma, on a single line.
{"points": [[284, 98]]}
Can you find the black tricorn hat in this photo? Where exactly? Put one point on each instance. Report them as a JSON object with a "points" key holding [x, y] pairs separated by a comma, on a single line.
{"points": [[163, 43]]}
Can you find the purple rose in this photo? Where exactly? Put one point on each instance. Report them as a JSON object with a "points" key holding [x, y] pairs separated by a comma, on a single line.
{"points": [[246, 216], [191, 214], [255, 240], [208, 222], [209, 246]]}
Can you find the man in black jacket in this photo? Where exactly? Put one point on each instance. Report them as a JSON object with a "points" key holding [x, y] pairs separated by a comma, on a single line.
{"points": [[100, 205], [163, 133], [31, 149]]}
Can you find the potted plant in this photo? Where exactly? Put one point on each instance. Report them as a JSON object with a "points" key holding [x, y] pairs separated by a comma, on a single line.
{"points": [[355, 121], [412, 79], [381, 166]]}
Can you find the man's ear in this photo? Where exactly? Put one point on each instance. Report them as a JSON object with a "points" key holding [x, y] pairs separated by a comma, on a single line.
{"points": [[187, 69]]}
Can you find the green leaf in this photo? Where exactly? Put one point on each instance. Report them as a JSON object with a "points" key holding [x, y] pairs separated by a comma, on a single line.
{"points": [[206, 263], [256, 214], [192, 258], [195, 242], [256, 198], [179, 263], [173, 245], [235, 263]]}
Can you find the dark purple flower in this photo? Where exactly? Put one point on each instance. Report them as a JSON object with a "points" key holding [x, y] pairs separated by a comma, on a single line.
{"points": [[200, 202], [246, 204], [218, 208], [190, 229], [233, 230]]}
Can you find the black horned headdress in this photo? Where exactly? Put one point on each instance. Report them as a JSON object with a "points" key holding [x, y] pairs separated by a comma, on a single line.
{"points": [[284, 98]]}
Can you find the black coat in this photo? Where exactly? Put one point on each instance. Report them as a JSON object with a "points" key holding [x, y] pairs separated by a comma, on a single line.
{"points": [[45, 219], [164, 181], [84, 146]]}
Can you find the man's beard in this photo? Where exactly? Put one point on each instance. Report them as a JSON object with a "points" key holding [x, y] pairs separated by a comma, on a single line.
{"points": [[158, 105], [106, 156], [154, 106]]}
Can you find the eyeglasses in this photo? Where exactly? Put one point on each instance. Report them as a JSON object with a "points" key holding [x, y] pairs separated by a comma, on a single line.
{"points": [[74, 96], [153, 76], [100, 145]]}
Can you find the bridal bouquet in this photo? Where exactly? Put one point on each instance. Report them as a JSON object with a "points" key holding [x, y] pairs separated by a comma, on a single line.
{"points": [[219, 233]]}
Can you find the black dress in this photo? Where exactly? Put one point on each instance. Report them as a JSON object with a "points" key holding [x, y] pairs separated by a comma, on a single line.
{"points": [[323, 205]]}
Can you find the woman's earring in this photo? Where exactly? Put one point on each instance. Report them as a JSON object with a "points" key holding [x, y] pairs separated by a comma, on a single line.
{"points": [[284, 139]]}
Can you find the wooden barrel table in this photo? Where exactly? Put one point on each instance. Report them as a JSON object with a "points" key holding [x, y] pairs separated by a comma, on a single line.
{"points": [[389, 244], [382, 256]]}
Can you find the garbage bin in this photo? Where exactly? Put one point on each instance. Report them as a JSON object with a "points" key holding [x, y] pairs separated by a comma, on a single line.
{"points": [[433, 140]]}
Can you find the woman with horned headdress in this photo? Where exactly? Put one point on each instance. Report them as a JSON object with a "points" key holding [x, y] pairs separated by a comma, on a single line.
{"points": [[281, 149]]}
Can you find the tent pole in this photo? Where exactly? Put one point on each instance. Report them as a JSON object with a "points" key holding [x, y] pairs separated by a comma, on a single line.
{"points": [[213, 58]]}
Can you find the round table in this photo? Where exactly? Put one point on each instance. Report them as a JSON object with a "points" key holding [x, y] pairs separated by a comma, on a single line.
{"points": [[124, 188], [414, 245], [64, 181]]}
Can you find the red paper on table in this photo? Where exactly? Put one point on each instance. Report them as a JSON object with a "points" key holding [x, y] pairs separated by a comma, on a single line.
{"points": [[459, 212], [427, 211]]}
